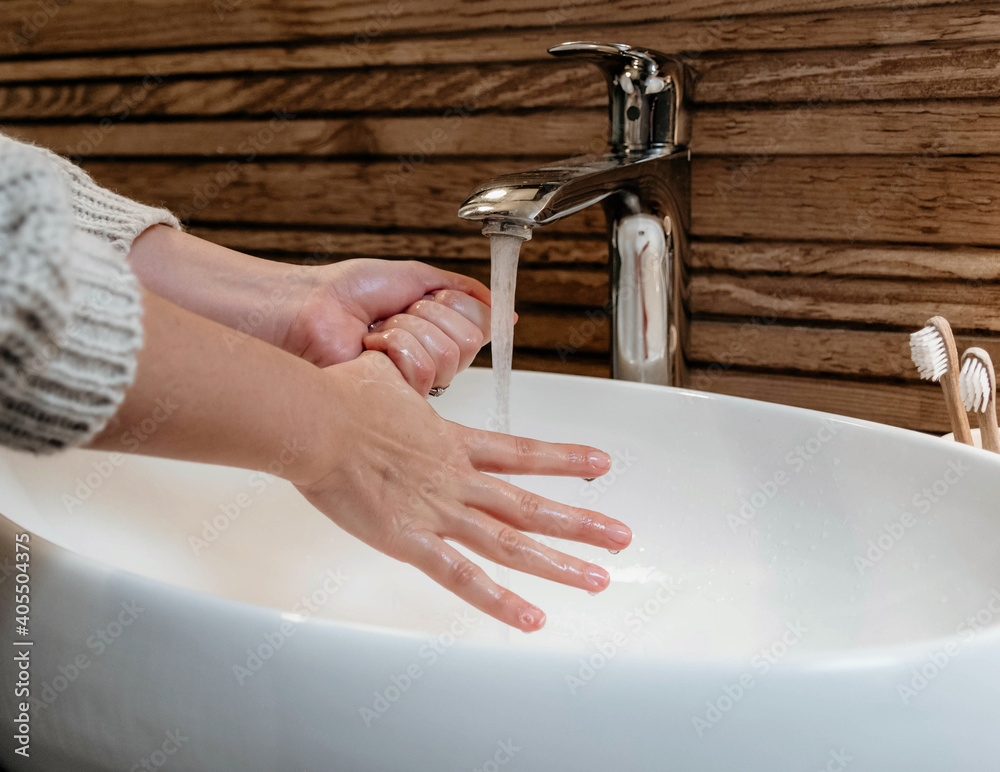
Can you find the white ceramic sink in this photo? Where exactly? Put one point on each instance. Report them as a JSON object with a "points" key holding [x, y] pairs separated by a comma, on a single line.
{"points": [[803, 592]]}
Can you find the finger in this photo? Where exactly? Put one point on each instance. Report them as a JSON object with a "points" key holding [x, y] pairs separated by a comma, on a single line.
{"points": [[406, 352], [432, 279], [467, 336], [443, 350], [475, 311], [507, 546], [535, 514], [455, 572], [506, 454]]}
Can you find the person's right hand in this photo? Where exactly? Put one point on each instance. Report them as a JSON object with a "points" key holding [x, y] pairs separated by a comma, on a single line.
{"points": [[404, 480]]}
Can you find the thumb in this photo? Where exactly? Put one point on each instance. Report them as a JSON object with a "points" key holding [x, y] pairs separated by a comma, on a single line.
{"points": [[431, 278]]}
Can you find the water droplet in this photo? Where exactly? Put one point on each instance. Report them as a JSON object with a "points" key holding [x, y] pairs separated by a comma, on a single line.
{"points": [[614, 552], [593, 594]]}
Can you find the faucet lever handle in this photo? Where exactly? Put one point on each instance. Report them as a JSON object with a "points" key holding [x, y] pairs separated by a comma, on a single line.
{"points": [[647, 93]]}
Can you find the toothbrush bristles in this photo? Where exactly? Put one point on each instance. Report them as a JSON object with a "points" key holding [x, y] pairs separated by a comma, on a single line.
{"points": [[974, 385], [928, 352]]}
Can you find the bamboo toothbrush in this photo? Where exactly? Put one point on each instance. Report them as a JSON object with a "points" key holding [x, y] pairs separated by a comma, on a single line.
{"points": [[977, 384], [934, 353]]}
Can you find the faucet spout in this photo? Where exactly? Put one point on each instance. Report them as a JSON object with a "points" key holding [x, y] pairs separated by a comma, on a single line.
{"points": [[548, 193]]}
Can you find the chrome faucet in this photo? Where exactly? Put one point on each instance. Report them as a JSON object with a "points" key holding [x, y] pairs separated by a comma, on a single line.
{"points": [[643, 183]]}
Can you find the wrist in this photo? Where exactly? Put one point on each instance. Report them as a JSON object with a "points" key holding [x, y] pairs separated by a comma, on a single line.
{"points": [[324, 429], [252, 296]]}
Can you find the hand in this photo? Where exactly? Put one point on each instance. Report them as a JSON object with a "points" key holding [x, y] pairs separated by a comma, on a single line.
{"points": [[430, 323], [404, 480]]}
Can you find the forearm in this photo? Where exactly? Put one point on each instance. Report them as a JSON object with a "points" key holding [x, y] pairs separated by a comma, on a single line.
{"points": [[254, 406], [242, 292]]}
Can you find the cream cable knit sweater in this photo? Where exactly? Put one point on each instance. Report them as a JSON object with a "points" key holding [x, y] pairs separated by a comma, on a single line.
{"points": [[70, 311]]}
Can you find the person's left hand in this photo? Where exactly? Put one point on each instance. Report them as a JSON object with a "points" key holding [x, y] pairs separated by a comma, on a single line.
{"points": [[431, 323]]}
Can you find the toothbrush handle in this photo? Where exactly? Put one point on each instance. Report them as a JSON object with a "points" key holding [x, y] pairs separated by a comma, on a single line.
{"points": [[956, 410], [988, 428]]}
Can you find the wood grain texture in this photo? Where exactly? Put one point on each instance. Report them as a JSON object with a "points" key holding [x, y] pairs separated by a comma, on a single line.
{"points": [[353, 195], [905, 304], [574, 365], [937, 200], [871, 26], [553, 133], [566, 334], [936, 71], [453, 92], [924, 199], [815, 76], [547, 284], [959, 127], [911, 406], [818, 350], [972, 264], [944, 127], [323, 246], [111, 24]]}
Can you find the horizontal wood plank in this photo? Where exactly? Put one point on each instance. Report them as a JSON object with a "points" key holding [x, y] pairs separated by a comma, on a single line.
{"points": [[922, 199], [548, 285], [593, 367], [911, 406], [555, 134], [110, 24], [937, 71], [905, 304], [973, 264], [322, 246], [455, 92], [346, 194], [565, 334], [944, 127], [877, 354]]}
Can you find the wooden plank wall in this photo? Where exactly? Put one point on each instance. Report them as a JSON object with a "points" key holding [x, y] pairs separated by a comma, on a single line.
{"points": [[846, 180]]}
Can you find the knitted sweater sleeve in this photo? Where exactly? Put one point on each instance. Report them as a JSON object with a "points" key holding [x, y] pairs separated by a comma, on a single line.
{"points": [[70, 309]]}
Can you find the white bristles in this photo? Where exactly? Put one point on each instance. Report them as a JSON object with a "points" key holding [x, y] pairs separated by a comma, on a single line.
{"points": [[928, 352], [974, 385]]}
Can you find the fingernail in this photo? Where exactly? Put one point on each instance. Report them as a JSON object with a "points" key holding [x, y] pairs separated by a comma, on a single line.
{"points": [[597, 577], [599, 460], [619, 534], [532, 617]]}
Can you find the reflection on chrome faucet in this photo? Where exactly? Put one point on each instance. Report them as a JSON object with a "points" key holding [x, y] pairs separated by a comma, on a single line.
{"points": [[643, 183]]}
